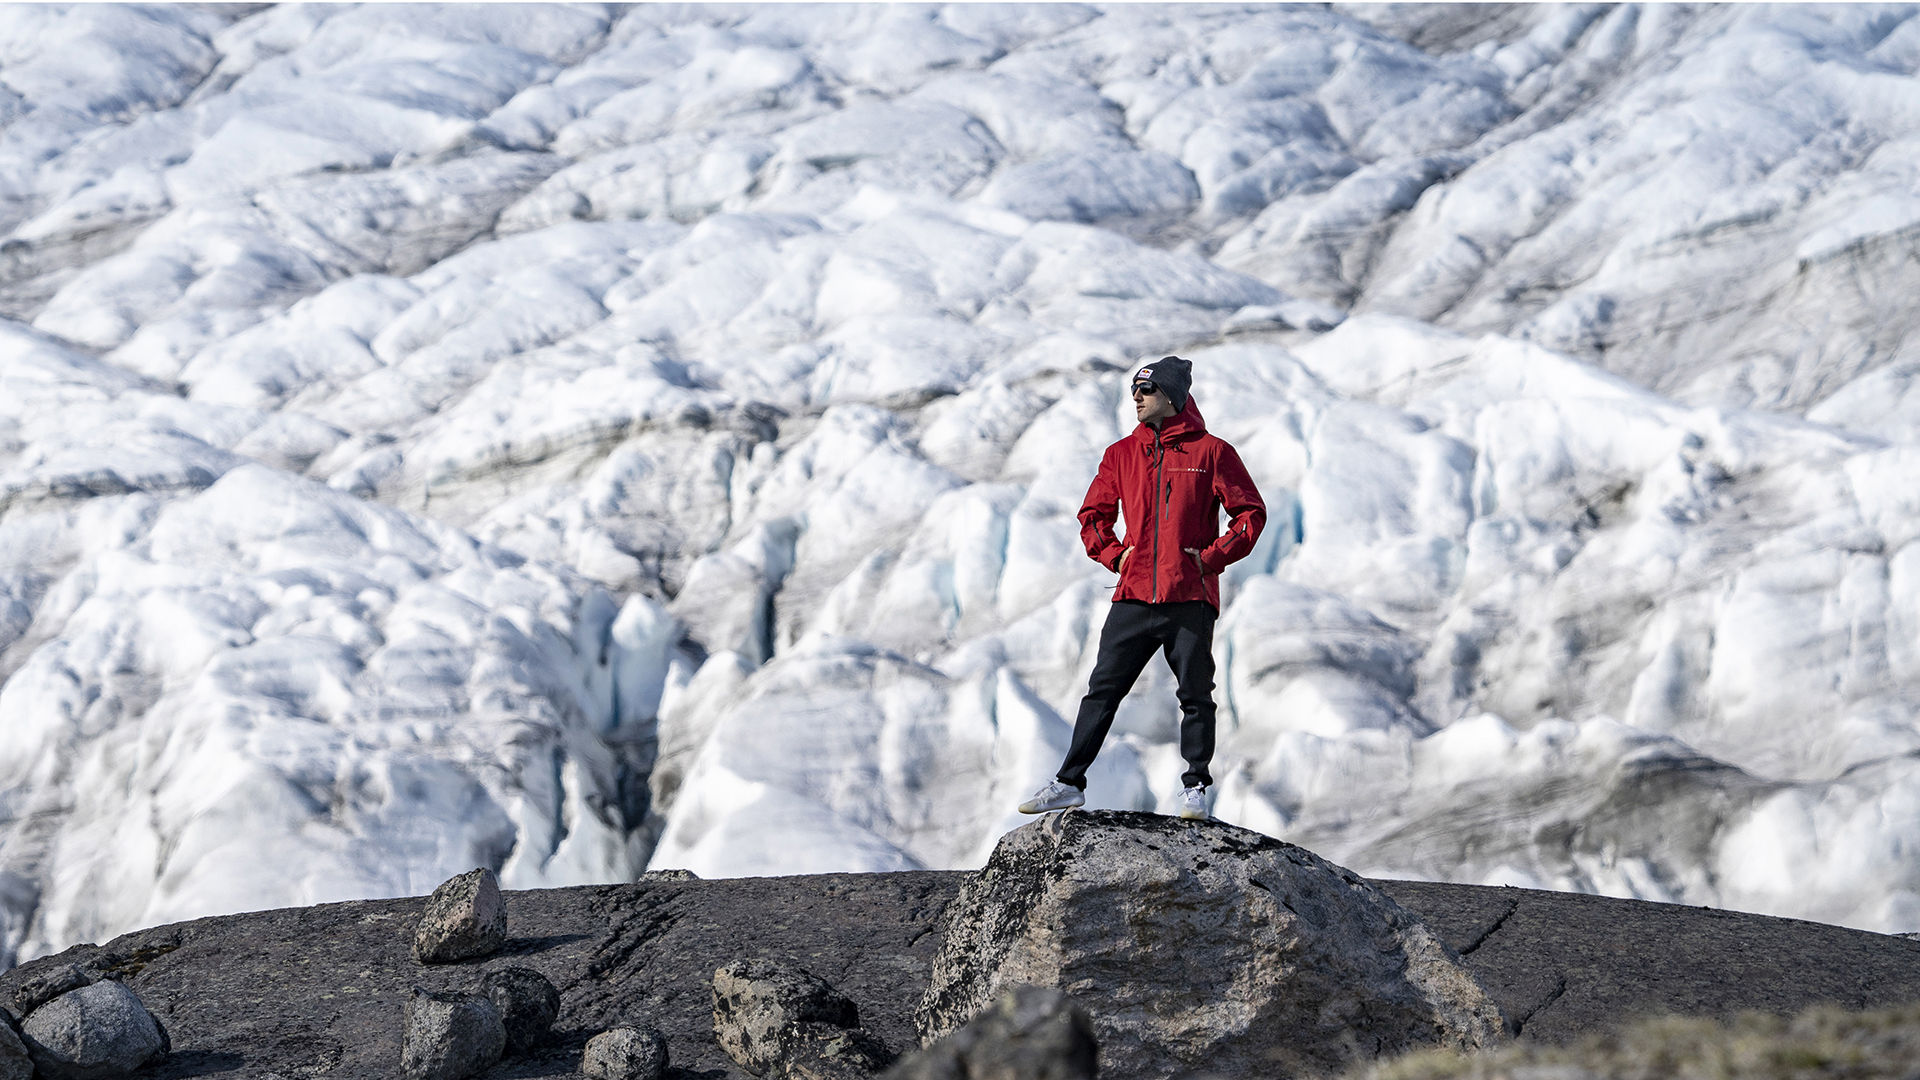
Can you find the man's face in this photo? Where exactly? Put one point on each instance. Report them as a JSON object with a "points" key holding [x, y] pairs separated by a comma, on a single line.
{"points": [[1150, 403]]}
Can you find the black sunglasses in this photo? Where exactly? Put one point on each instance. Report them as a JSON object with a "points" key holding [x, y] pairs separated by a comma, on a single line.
{"points": [[1145, 389]]}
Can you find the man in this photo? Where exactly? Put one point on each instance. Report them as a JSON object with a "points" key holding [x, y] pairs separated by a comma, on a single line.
{"points": [[1172, 478]]}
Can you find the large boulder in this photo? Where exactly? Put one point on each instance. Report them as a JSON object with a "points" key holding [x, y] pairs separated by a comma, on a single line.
{"points": [[1201, 946], [465, 917], [93, 1033], [1030, 1033]]}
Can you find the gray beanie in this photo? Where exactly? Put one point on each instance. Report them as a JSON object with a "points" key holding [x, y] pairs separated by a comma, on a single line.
{"points": [[1172, 374]]}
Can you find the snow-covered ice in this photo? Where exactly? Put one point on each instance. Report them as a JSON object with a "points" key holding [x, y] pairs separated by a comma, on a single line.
{"points": [[573, 439]]}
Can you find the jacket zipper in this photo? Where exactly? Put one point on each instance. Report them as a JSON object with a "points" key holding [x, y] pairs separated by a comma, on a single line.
{"points": [[1159, 514]]}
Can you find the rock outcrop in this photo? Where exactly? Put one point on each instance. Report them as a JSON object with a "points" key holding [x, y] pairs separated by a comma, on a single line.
{"points": [[97, 1032], [1201, 946], [43, 988], [779, 1020], [465, 918], [1030, 1033], [321, 992], [450, 1036]]}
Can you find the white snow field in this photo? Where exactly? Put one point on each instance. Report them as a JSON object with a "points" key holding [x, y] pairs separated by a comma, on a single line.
{"points": [[574, 439]]}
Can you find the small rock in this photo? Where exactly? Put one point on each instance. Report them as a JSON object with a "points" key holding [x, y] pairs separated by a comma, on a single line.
{"points": [[465, 918], [48, 985], [668, 875], [626, 1054], [449, 1036], [1029, 1033], [92, 1033], [823, 1052], [527, 1002], [760, 1009]]}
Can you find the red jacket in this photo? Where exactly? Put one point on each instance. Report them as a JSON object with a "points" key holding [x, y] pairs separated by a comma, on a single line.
{"points": [[1172, 483]]}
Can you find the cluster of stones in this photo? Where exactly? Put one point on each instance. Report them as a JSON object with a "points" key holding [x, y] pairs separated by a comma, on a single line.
{"points": [[1212, 949], [773, 1020], [450, 1036], [74, 1025], [453, 1035]]}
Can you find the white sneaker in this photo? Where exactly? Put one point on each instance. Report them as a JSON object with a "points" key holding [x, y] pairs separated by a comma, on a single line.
{"points": [[1057, 795], [1193, 804]]}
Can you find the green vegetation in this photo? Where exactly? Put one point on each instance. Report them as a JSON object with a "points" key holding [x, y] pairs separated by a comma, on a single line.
{"points": [[1824, 1043]]}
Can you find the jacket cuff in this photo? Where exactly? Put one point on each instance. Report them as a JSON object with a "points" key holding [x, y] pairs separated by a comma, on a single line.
{"points": [[1110, 556]]}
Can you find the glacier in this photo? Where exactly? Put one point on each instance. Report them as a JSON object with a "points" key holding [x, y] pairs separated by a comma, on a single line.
{"points": [[575, 439]]}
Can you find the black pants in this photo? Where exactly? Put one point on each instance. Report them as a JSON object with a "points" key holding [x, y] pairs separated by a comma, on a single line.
{"points": [[1184, 633]]}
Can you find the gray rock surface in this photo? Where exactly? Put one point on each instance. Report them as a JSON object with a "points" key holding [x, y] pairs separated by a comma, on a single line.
{"points": [[626, 1053], [1565, 966], [449, 1036], [95, 1032], [1203, 946], [15, 1062], [1029, 1033], [781, 1020], [528, 1003], [43, 988], [465, 918], [644, 954]]}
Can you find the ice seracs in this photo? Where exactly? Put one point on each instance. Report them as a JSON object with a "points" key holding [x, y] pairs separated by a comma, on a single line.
{"points": [[554, 439]]}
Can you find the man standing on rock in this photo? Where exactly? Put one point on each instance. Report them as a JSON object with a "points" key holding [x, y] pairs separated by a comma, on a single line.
{"points": [[1173, 479]]}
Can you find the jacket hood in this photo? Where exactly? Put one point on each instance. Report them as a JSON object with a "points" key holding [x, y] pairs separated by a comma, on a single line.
{"points": [[1185, 424], [1170, 487]]}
